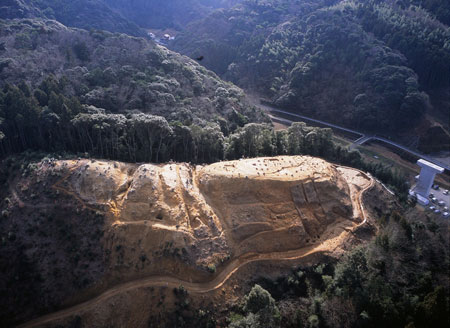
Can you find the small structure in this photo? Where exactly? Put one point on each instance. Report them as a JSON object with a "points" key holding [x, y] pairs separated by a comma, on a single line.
{"points": [[422, 200], [426, 177]]}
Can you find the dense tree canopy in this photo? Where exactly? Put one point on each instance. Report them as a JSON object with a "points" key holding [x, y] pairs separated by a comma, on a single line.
{"points": [[30, 119], [365, 64]]}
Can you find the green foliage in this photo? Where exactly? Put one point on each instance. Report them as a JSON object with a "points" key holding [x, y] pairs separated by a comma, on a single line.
{"points": [[249, 321], [350, 274], [383, 242], [57, 123], [81, 50], [313, 321], [212, 268], [373, 286], [415, 33], [260, 311], [433, 310], [359, 63]]}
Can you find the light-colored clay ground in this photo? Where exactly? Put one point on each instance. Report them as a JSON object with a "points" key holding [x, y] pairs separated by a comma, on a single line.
{"points": [[227, 214]]}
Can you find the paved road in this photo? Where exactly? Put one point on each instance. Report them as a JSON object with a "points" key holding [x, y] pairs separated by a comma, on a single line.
{"points": [[360, 140], [413, 152], [334, 126]]}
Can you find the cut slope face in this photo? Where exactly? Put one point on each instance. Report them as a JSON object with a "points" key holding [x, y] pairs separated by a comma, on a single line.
{"points": [[153, 225], [274, 204], [205, 215]]}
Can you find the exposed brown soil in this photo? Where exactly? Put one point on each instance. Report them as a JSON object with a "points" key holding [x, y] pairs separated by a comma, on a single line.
{"points": [[165, 224]]}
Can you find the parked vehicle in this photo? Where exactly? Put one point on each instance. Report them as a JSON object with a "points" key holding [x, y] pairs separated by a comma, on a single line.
{"points": [[435, 187], [432, 208], [446, 214], [445, 192], [431, 195], [437, 211], [434, 199], [445, 209], [441, 203]]}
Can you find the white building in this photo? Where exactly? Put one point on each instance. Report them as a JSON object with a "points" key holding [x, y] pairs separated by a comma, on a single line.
{"points": [[426, 177]]}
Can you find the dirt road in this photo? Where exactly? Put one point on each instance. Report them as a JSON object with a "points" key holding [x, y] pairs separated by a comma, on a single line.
{"points": [[218, 281]]}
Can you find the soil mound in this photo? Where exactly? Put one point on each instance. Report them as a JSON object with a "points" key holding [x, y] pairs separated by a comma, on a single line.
{"points": [[201, 216]]}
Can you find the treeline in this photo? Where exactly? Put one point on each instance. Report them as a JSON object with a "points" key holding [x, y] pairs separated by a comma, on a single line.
{"points": [[321, 58], [44, 119], [413, 31], [350, 78], [399, 279]]}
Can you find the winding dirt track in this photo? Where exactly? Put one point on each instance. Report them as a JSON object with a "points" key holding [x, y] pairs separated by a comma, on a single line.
{"points": [[203, 287]]}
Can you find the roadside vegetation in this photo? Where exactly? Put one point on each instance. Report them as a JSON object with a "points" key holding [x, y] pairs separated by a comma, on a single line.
{"points": [[400, 279]]}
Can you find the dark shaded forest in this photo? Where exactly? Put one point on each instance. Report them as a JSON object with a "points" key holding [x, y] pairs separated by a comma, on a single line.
{"points": [[380, 66], [44, 119], [397, 280], [130, 17]]}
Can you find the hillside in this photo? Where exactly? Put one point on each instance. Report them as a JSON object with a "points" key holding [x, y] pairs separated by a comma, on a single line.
{"points": [[197, 223], [64, 77], [142, 188], [378, 66], [161, 14], [115, 72], [129, 17], [86, 14], [372, 65]]}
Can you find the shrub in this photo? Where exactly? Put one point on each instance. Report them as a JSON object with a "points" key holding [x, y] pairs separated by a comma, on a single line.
{"points": [[81, 51], [212, 267], [260, 309], [313, 321]]}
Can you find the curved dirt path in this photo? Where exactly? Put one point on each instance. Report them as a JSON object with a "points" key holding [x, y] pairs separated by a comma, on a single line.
{"points": [[167, 281], [360, 204], [200, 287]]}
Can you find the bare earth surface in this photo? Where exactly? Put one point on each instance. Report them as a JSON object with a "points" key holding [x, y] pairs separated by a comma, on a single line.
{"points": [[167, 224]]}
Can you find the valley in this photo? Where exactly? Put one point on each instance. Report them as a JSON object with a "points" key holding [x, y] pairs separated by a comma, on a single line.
{"points": [[223, 163]]}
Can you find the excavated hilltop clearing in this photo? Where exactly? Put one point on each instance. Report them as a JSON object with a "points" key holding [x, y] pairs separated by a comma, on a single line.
{"points": [[197, 225], [209, 214]]}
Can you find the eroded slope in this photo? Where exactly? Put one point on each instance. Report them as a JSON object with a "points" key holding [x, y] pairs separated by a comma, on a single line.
{"points": [[192, 224], [205, 215]]}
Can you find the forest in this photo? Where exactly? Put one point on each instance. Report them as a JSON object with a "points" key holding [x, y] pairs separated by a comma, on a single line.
{"points": [[83, 79], [379, 66], [147, 104], [130, 17], [55, 123], [396, 280]]}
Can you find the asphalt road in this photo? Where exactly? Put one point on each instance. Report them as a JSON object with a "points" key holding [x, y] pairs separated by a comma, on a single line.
{"points": [[363, 139]]}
